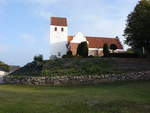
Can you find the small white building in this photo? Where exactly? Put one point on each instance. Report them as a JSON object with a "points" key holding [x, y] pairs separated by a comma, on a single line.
{"points": [[2, 74], [61, 42]]}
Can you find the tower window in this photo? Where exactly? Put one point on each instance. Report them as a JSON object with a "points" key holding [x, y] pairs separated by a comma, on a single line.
{"points": [[55, 28], [62, 29]]}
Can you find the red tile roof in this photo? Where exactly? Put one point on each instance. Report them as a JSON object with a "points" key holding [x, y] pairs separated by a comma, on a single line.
{"points": [[57, 21], [98, 42], [70, 38]]}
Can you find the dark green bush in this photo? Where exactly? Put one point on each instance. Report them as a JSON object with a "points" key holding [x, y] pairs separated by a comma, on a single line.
{"points": [[82, 49], [106, 50], [113, 47]]}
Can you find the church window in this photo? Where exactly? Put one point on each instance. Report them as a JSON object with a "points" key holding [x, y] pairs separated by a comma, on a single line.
{"points": [[62, 29], [55, 28]]}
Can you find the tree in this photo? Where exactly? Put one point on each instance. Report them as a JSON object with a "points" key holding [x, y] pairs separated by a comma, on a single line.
{"points": [[4, 66], [105, 50], [137, 31], [82, 49], [38, 59], [130, 50], [69, 53], [113, 47]]}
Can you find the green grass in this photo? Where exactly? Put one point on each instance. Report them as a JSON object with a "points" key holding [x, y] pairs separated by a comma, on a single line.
{"points": [[126, 97]]}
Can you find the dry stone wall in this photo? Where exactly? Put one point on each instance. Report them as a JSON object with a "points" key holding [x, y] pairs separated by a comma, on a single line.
{"points": [[77, 80]]}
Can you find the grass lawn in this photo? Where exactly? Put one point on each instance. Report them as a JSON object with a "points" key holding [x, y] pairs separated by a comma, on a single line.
{"points": [[127, 97]]}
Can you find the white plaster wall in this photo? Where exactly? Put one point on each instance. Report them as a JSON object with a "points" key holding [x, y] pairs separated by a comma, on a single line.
{"points": [[2, 74], [58, 40], [79, 37], [95, 49]]}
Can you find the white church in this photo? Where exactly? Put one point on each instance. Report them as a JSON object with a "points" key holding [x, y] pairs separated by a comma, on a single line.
{"points": [[61, 42]]}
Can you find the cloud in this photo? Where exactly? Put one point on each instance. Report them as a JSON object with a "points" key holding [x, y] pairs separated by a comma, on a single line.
{"points": [[30, 39], [42, 13]]}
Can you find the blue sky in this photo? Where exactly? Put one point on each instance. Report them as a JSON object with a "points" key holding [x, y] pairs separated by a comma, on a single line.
{"points": [[24, 24]]}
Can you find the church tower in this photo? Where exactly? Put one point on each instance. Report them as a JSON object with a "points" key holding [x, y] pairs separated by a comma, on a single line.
{"points": [[58, 36]]}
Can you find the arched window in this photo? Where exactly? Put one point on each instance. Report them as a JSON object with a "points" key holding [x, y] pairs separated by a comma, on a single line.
{"points": [[55, 28], [62, 29]]}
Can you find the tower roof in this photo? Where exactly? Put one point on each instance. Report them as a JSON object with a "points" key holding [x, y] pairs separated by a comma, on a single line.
{"points": [[58, 21]]}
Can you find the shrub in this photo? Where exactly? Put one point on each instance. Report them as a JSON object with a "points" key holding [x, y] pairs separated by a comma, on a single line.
{"points": [[123, 55], [68, 55], [113, 47], [82, 49], [130, 50], [38, 60], [105, 50], [4, 66]]}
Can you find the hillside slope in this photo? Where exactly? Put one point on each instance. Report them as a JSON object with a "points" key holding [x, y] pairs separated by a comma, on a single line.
{"points": [[83, 66]]}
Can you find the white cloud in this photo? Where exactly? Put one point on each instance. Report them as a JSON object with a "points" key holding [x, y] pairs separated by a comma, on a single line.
{"points": [[42, 13], [30, 39]]}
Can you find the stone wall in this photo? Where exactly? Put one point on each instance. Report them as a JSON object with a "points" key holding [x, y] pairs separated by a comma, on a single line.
{"points": [[77, 80]]}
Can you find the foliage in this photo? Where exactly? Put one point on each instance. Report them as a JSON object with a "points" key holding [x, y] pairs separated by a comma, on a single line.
{"points": [[113, 47], [68, 55], [137, 30], [105, 50], [123, 55], [84, 66], [4, 66], [130, 50], [31, 69], [38, 58], [82, 49]]}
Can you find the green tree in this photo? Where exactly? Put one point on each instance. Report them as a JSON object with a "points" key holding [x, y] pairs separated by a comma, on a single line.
{"points": [[113, 47], [4, 66], [130, 50], [69, 53], [137, 30], [105, 50], [38, 60], [82, 49]]}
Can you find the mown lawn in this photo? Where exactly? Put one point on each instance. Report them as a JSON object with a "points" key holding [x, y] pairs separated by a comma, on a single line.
{"points": [[127, 97]]}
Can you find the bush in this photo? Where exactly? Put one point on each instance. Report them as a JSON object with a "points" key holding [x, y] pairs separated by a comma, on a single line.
{"points": [[130, 50], [68, 55], [82, 49], [105, 50], [113, 47], [31, 69], [4, 66], [123, 55], [38, 60]]}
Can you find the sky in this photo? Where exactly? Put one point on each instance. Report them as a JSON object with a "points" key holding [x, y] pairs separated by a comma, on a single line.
{"points": [[25, 24]]}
